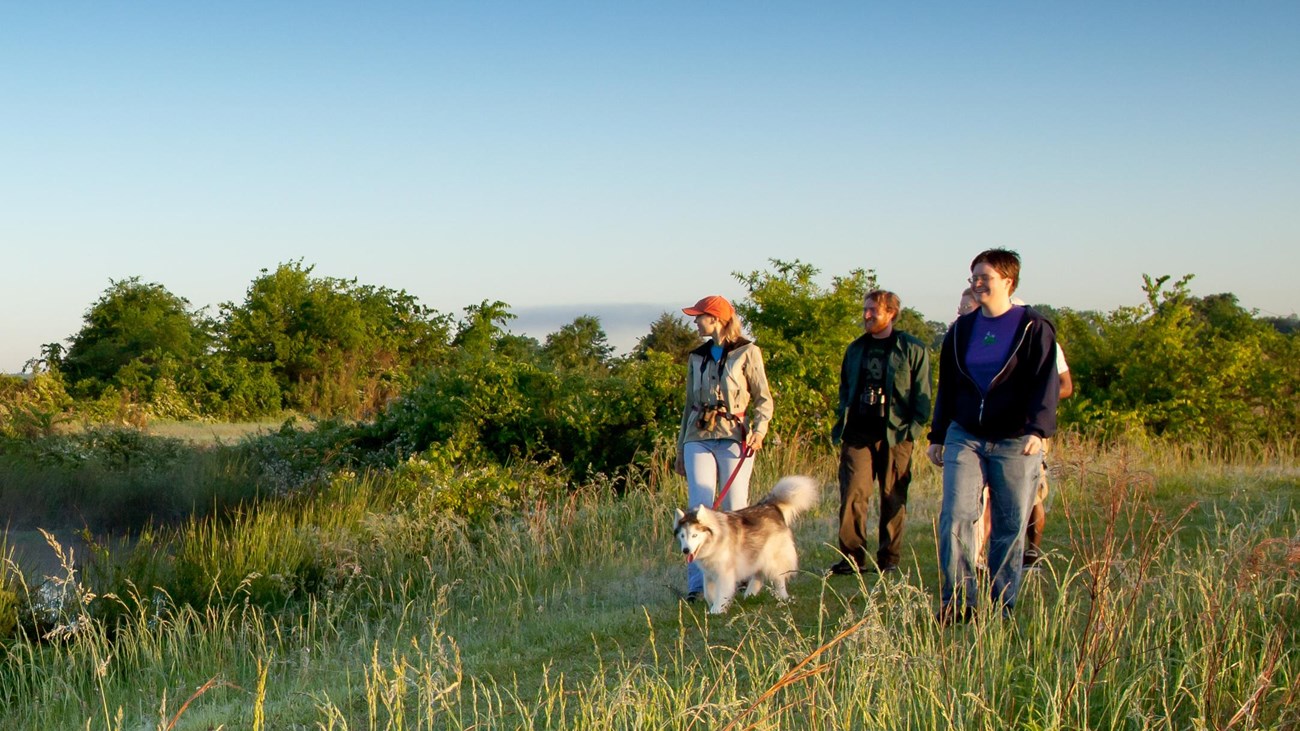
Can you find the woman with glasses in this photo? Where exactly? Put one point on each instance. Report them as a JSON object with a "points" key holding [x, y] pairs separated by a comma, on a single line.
{"points": [[998, 390]]}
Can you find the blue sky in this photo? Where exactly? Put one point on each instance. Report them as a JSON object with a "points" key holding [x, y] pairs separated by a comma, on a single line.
{"points": [[622, 159]]}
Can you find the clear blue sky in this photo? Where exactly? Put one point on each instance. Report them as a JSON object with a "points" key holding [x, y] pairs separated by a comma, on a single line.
{"points": [[564, 156]]}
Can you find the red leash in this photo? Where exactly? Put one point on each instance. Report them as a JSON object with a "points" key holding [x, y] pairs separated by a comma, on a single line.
{"points": [[745, 453]]}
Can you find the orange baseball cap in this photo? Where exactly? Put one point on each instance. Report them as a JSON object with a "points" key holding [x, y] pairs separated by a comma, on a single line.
{"points": [[714, 305]]}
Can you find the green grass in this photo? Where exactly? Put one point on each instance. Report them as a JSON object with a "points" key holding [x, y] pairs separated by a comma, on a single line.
{"points": [[211, 433], [1170, 602]]}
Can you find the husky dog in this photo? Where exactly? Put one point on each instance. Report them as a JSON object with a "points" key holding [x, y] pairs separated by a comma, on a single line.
{"points": [[750, 545]]}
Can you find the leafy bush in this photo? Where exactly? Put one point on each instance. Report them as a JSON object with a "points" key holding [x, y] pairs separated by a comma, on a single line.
{"points": [[108, 447], [1180, 367], [335, 347], [114, 478], [803, 329], [32, 407], [503, 409]]}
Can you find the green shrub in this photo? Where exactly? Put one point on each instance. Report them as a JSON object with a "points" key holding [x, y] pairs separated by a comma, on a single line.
{"points": [[32, 407], [1181, 367]]}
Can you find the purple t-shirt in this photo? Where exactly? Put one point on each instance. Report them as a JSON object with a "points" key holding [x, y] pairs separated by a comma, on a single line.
{"points": [[990, 345]]}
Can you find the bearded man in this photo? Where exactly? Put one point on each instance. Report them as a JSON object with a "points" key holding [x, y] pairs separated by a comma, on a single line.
{"points": [[884, 408]]}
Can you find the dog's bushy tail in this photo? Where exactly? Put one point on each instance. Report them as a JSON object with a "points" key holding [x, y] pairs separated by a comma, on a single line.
{"points": [[793, 495]]}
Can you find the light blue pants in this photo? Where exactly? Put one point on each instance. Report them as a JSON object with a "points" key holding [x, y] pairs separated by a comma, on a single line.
{"points": [[969, 463], [709, 464]]}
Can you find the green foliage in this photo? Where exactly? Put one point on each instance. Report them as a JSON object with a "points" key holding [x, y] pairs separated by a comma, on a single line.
{"points": [[108, 447], [669, 334], [1286, 325], [803, 329], [133, 323], [579, 346], [1182, 367], [297, 458], [476, 493], [236, 388], [593, 420], [334, 346], [10, 602], [140, 344], [914, 323], [32, 407], [1178, 366], [110, 477], [483, 326]]}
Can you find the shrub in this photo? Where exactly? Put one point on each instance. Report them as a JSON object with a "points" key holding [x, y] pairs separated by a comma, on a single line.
{"points": [[32, 407]]}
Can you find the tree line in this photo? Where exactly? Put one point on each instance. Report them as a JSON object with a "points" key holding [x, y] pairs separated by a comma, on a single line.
{"points": [[398, 378]]}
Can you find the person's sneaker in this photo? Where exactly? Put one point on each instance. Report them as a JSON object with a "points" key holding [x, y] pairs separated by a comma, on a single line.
{"points": [[693, 596], [1033, 561], [844, 568]]}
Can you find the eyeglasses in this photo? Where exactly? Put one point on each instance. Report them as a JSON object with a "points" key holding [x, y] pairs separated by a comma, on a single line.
{"points": [[983, 278]]}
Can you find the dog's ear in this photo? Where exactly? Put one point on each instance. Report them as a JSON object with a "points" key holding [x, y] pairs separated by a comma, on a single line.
{"points": [[706, 517], [680, 514]]}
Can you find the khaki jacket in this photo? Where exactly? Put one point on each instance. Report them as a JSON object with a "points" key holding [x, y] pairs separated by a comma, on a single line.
{"points": [[738, 382]]}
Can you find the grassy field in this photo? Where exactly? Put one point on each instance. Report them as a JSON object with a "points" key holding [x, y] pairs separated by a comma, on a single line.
{"points": [[206, 433], [1170, 601]]}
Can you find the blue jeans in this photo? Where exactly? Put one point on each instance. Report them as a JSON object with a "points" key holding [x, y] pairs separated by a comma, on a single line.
{"points": [[709, 465], [969, 463]]}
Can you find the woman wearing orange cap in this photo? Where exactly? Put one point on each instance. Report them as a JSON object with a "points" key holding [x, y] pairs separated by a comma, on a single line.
{"points": [[728, 407]]}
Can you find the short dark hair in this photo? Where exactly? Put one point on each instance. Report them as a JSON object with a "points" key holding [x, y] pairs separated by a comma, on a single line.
{"points": [[886, 298], [1004, 261]]}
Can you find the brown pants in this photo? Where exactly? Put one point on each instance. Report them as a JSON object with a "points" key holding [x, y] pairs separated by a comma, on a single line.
{"points": [[891, 469]]}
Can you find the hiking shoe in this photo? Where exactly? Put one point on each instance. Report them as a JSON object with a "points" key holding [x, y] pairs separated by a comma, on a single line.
{"points": [[693, 596], [844, 568]]}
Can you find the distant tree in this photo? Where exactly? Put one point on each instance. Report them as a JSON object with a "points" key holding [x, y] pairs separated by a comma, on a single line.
{"points": [[927, 331], [1284, 325], [579, 345], [133, 334], [482, 327], [336, 347], [669, 334], [50, 359], [517, 347], [1223, 312]]}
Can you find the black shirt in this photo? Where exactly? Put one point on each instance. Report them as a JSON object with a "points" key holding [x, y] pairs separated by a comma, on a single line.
{"points": [[866, 418]]}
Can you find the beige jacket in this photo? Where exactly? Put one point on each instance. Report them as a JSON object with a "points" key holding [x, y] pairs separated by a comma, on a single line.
{"points": [[739, 383]]}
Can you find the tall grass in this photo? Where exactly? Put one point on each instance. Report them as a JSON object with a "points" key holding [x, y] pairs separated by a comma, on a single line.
{"points": [[1161, 608]]}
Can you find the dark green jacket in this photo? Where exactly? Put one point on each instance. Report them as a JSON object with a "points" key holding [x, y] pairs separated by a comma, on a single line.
{"points": [[908, 376]]}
